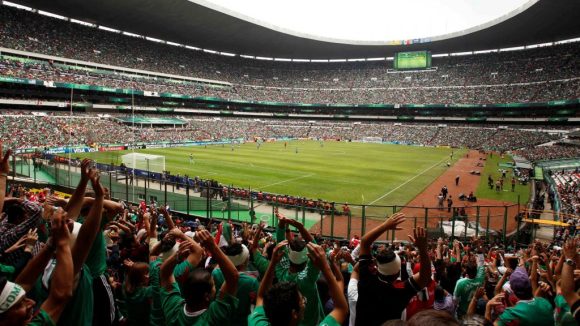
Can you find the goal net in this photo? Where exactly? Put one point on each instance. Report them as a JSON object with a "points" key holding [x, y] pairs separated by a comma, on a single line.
{"points": [[146, 162], [372, 140]]}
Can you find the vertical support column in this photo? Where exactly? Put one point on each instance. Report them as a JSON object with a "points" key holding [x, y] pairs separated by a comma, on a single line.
{"points": [[187, 197], [332, 221], [252, 212], [321, 221], [127, 187], [229, 204], [477, 221], [349, 225], [165, 192], [487, 226], [363, 221], [505, 216], [392, 231]]}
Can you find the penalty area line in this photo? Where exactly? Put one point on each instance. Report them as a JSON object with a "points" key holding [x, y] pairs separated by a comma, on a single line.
{"points": [[287, 180], [404, 183]]}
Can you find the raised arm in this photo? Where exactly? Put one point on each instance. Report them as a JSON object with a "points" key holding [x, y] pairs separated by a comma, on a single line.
{"points": [[91, 226], [29, 275], [230, 272], [318, 258], [61, 285], [390, 224], [167, 217], [303, 232], [75, 204], [419, 238], [501, 282], [534, 274], [166, 277], [567, 283], [195, 250], [268, 277], [479, 293]]}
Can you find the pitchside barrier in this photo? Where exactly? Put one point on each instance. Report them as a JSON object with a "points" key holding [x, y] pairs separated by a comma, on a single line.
{"points": [[334, 220]]}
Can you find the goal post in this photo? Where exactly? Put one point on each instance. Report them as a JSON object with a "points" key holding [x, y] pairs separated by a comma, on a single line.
{"points": [[145, 162], [372, 140]]}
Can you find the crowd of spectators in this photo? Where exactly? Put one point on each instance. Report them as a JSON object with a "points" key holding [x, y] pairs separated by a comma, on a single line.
{"points": [[568, 188], [23, 130], [537, 75], [86, 259], [550, 152]]}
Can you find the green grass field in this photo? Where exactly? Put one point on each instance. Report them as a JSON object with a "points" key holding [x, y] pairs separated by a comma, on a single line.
{"points": [[357, 173], [492, 168]]}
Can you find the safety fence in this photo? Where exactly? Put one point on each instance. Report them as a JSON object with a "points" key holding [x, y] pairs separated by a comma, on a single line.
{"points": [[206, 199]]}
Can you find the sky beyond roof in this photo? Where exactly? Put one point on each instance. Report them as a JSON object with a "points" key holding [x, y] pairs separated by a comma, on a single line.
{"points": [[371, 22]]}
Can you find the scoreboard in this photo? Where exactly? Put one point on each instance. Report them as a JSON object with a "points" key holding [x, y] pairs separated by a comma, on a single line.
{"points": [[412, 60]]}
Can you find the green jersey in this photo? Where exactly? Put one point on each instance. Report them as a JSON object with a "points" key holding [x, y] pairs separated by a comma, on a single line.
{"points": [[157, 318], [562, 313], [247, 292], [537, 311], [41, 319], [465, 288], [182, 270], [220, 311], [139, 306], [260, 262], [258, 318], [79, 310], [97, 257]]}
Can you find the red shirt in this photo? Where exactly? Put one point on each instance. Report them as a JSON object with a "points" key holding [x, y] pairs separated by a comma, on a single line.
{"points": [[421, 302]]}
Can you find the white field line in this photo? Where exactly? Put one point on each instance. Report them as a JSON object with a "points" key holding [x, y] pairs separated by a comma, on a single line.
{"points": [[404, 183], [287, 180]]}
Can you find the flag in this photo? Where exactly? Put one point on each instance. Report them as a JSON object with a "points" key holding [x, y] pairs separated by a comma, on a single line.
{"points": [[223, 237]]}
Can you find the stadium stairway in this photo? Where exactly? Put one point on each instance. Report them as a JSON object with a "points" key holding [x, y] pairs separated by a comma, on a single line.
{"points": [[545, 233]]}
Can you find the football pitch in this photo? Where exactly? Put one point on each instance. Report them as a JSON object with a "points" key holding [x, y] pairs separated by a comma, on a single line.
{"points": [[357, 173]]}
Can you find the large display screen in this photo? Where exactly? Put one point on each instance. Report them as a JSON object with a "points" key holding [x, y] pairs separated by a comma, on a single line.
{"points": [[412, 60]]}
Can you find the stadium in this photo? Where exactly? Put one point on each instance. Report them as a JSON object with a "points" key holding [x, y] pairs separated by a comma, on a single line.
{"points": [[252, 123]]}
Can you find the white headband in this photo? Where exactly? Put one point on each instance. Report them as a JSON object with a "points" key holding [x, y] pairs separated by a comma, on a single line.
{"points": [[170, 252], [297, 257], [240, 258], [390, 268], [75, 233], [11, 293]]}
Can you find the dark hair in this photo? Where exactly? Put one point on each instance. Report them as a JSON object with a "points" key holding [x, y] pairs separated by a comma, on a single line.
{"points": [[232, 250], [14, 213], [280, 301], [196, 286], [439, 294], [297, 245], [135, 277], [385, 256], [471, 270], [167, 243], [432, 317]]}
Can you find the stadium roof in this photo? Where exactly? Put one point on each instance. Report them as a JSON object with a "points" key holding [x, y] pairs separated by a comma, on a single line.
{"points": [[193, 24]]}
